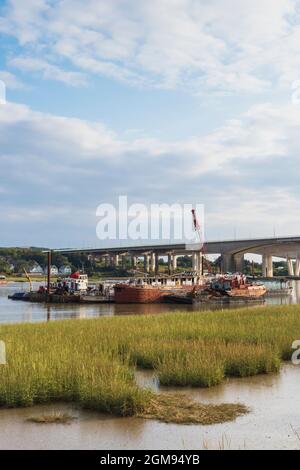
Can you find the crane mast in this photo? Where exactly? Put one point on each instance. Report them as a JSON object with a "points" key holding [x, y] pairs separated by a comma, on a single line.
{"points": [[197, 229]]}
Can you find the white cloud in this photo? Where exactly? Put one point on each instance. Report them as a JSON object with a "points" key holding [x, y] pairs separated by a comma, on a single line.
{"points": [[246, 172], [235, 46], [10, 80], [48, 71]]}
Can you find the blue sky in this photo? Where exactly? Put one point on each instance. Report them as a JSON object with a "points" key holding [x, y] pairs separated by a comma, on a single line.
{"points": [[165, 101]]}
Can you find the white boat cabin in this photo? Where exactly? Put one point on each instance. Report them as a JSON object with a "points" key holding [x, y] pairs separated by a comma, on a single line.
{"points": [[75, 283]]}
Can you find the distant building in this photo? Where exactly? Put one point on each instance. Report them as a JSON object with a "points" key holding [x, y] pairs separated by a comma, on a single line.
{"points": [[36, 269], [65, 270], [53, 270]]}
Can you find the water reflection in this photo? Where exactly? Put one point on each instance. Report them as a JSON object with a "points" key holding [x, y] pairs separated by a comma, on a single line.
{"points": [[18, 311], [293, 298]]}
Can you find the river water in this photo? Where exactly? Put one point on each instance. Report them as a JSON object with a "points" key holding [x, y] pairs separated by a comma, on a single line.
{"points": [[274, 400], [273, 421], [18, 311]]}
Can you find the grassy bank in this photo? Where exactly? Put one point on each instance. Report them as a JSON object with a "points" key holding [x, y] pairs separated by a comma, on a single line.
{"points": [[92, 362], [41, 279]]}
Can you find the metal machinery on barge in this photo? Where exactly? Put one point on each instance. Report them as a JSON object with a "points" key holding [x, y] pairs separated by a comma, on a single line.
{"points": [[237, 286], [71, 289], [222, 289]]}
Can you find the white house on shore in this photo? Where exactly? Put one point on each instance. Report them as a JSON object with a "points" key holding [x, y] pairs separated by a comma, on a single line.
{"points": [[53, 270], [36, 269], [65, 270]]}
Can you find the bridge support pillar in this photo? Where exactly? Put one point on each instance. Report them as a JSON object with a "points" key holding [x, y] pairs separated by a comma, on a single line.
{"points": [[238, 261], [232, 263], [297, 271], [200, 263], [197, 260], [152, 267], [116, 260], [156, 263], [146, 263], [290, 266], [169, 263], [267, 265], [174, 262], [227, 263], [194, 261], [134, 262]]}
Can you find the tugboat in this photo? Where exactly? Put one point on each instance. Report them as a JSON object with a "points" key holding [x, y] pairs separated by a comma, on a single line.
{"points": [[72, 289], [65, 290], [76, 282]]}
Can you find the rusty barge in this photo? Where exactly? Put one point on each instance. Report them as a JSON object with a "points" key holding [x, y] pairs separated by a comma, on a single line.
{"points": [[156, 289], [225, 289]]}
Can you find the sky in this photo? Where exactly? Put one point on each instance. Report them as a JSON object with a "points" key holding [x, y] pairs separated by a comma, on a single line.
{"points": [[165, 101]]}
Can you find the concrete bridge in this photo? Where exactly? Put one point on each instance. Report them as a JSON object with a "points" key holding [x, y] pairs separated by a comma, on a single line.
{"points": [[232, 254]]}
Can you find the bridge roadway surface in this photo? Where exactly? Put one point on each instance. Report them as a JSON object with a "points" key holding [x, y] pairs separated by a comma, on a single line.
{"points": [[231, 251]]}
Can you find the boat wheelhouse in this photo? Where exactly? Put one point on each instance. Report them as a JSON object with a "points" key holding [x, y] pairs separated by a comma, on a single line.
{"points": [[76, 282]]}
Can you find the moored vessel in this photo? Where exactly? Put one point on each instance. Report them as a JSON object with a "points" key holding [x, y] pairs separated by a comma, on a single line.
{"points": [[141, 294], [71, 289], [222, 289], [157, 289], [237, 286]]}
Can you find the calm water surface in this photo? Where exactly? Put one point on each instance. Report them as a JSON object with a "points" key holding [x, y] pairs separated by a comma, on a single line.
{"points": [[18, 311]]}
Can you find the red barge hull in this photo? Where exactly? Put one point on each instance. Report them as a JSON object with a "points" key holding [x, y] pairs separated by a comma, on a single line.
{"points": [[125, 294], [147, 294]]}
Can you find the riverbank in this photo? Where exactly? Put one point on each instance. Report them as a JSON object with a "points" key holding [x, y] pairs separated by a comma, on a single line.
{"points": [[23, 278], [92, 362]]}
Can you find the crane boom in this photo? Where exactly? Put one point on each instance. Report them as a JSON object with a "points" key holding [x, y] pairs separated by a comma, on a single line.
{"points": [[196, 225], [28, 278], [197, 229]]}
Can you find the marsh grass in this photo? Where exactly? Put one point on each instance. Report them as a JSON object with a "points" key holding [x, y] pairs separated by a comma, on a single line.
{"points": [[193, 366], [224, 443], [204, 363], [177, 408], [91, 362], [55, 417]]}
